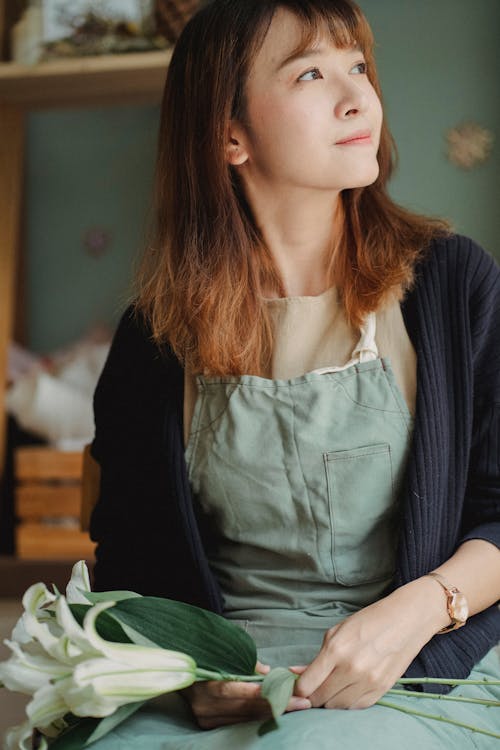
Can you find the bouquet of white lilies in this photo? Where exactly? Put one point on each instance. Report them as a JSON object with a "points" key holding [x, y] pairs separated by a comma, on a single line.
{"points": [[90, 660]]}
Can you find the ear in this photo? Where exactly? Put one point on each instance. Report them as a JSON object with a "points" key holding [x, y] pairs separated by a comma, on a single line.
{"points": [[236, 148]]}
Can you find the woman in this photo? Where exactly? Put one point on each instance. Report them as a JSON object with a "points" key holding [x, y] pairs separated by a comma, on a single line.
{"points": [[330, 364]]}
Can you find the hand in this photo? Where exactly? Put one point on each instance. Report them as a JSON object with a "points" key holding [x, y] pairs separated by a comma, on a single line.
{"points": [[216, 703], [364, 655]]}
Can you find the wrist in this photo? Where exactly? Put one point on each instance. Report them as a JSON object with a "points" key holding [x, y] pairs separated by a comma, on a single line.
{"points": [[430, 605]]}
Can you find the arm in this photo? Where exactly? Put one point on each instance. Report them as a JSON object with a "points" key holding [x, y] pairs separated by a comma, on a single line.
{"points": [[363, 656], [140, 542], [371, 650]]}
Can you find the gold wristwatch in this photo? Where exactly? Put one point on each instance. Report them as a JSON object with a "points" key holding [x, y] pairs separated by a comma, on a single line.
{"points": [[457, 606]]}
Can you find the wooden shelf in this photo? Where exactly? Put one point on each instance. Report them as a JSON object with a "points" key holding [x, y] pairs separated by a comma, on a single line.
{"points": [[48, 502], [132, 78]]}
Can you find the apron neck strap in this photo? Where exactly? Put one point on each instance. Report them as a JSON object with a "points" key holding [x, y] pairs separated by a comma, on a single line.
{"points": [[366, 349]]}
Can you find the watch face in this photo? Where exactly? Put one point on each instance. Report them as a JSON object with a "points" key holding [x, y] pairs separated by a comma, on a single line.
{"points": [[458, 605]]}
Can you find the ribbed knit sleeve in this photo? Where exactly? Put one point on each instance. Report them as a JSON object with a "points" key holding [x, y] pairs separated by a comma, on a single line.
{"points": [[143, 523], [452, 483]]}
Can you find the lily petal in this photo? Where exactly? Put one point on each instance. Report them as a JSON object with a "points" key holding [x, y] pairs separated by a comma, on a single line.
{"points": [[20, 738], [143, 657], [73, 631], [27, 673], [99, 686], [37, 623], [78, 584], [46, 707], [114, 678]]}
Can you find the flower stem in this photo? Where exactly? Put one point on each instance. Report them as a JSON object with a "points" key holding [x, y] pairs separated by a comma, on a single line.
{"points": [[446, 720], [460, 698], [443, 681], [204, 674]]}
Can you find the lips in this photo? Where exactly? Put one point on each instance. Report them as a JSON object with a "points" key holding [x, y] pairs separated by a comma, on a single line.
{"points": [[358, 135]]}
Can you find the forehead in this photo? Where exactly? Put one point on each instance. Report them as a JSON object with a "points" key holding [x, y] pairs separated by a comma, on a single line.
{"points": [[289, 35]]}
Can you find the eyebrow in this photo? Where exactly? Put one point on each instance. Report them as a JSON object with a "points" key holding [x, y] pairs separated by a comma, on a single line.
{"points": [[309, 52]]}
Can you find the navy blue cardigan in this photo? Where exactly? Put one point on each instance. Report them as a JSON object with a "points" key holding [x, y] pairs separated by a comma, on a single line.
{"points": [[148, 537]]}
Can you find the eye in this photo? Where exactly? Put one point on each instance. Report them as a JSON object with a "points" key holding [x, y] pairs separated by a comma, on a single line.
{"points": [[310, 75], [362, 65]]}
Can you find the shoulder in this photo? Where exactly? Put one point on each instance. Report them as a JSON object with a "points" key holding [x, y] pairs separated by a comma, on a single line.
{"points": [[455, 294], [458, 259], [137, 372]]}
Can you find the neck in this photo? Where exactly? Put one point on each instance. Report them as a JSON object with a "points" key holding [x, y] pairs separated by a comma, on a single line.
{"points": [[298, 228]]}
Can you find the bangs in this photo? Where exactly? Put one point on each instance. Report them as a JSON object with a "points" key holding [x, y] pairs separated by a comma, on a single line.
{"points": [[341, 22]]}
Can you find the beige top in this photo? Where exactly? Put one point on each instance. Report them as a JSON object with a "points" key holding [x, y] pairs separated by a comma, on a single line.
{"points": [[312, 332]]}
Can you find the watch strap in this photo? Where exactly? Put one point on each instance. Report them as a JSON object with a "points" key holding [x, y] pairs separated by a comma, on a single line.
{"points": [[451, 592]]}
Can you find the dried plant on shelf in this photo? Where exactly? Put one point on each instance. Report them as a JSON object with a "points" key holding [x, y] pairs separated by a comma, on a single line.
{"points": [[94, 34], [172, 15], [469, 144]]}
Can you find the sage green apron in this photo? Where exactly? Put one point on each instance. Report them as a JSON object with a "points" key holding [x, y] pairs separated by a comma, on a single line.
{"points": [[298, 481]]}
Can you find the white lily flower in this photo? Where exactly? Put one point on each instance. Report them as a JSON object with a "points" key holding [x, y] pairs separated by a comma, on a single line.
{"points": [[30, 622], [76, 642], [123, 673], [114, 684], [78, 583], [27, 672], [20, 738], [46, 707], [37, 623], [145, 657], [70, 668]]}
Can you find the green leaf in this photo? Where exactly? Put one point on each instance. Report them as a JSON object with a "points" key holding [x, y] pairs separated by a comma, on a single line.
{"points": [[267, 726], [75, 738], [109, 596], [214, 643], [107, 627], [110, 722], [88, 730], [277, 688]]}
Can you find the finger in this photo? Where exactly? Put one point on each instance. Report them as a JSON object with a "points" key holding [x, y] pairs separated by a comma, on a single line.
{"points": [[298, 670], [207, 705], [314, 676], [262, 668], [209, 691], [352, 696], [298, 704], [336, 694], [319, 669], [234, 690]]}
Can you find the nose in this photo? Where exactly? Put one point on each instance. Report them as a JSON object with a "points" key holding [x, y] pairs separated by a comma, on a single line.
{"points": [[352, 100]]}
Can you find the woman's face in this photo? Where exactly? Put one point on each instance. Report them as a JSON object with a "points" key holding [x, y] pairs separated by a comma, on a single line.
{"points": [[298, 109]]}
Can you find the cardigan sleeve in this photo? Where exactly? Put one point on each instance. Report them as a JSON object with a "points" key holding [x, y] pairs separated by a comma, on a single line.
{"points": [[481, 516], [141, 545]]}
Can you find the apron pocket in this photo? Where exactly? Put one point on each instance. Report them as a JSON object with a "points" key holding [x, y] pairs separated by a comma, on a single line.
{"points": [[362, 513]]}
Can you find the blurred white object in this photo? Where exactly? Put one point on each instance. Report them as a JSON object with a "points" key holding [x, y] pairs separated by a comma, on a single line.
{"points": [[27, 35], [19, 362], [60, 15], [57, 405]]}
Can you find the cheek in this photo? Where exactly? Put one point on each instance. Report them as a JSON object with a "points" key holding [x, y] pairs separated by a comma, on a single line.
{"points": [[376, 106]]}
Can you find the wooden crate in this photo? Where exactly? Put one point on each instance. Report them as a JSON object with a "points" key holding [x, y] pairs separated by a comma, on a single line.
{"points": [[48, 501]]}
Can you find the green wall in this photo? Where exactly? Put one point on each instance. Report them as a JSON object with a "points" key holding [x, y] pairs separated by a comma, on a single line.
{"points": [[438, 62], [85, 169]]}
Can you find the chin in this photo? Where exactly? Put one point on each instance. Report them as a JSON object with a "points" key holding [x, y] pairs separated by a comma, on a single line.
{"points": [[367, 179]]}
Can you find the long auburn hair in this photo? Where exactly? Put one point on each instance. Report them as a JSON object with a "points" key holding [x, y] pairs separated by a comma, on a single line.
{"points": [[201, 280]]}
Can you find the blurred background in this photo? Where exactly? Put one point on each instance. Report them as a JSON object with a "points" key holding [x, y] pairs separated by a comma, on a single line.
{"points": [[80, 85]]}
